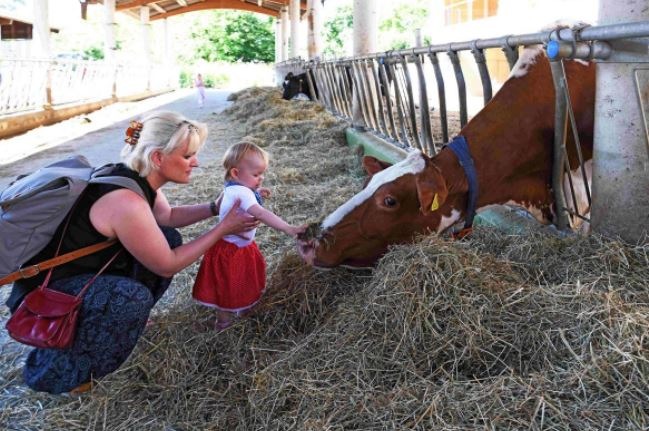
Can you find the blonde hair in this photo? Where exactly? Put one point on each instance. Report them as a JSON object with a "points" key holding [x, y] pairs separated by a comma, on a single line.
{"points": [[163, 131], [237, 152]]}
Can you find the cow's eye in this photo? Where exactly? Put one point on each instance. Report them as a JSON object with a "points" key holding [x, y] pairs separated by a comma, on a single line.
{"points": [[389, 201]]}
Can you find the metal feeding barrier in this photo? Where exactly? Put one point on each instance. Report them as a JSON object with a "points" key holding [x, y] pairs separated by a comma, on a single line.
{"points": [[387, 93]]}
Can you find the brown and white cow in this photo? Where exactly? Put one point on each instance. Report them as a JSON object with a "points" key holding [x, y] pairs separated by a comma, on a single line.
{"points": [[511, 143]]}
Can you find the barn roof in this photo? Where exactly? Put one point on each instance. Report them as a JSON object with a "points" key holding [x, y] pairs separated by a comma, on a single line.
{"points": [[160, 9]]}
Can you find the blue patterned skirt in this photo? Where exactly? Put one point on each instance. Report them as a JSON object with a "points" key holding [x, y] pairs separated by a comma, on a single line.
{"points": [[113, 315]]}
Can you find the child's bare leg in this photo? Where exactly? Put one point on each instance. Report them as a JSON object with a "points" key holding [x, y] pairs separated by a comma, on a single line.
{"points": [[223, 319]]}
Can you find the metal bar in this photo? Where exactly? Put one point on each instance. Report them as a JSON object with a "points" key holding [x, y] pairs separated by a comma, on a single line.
{"points": [[368, 94], [511, 53], [426, 130], [461, 85], [560, 132], [481, 62], [309, 81], [575, 134], [347, 88], [358, 87], [411, 104], [441, 93], [338, 91], [605, 32], [388, 98], [332, 92], [397, 96], [379, 96]]}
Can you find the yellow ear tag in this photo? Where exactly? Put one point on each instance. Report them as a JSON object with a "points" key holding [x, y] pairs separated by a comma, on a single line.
{"points": [[435, 205]]}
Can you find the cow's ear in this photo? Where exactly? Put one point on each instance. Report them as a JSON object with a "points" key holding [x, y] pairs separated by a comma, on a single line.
{"points": [[373, 165], [431, 189]]}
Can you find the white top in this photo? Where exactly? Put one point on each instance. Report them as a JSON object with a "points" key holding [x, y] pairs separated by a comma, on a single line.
{"points": [[247, 197]]}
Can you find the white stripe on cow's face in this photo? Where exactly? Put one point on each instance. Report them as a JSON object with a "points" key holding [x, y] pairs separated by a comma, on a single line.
{"points": [[412, 164]]}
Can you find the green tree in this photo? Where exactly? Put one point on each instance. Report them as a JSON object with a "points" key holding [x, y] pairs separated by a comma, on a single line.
{"points": [[399, 27], [338, 30], [235, 36]]}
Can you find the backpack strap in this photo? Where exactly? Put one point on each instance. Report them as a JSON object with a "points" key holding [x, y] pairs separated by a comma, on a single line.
{"points": [[32, 270]]}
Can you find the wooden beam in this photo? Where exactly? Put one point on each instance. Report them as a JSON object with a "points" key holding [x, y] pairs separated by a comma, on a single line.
{"points": [[218, 4], [158, 8], [132, 4]]}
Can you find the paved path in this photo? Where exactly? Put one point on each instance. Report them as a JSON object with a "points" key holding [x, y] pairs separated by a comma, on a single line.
{"points": [[99, 135]]}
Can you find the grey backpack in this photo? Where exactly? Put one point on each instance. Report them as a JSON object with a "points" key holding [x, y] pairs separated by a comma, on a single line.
{"points": [[34, 205]]}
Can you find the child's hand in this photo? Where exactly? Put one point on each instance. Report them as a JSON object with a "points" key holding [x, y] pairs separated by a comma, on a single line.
{"points": [[264, 192], [294, 231]]}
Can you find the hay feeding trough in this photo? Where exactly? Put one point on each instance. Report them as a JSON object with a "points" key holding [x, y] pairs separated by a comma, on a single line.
{"points": [[497, 332]]}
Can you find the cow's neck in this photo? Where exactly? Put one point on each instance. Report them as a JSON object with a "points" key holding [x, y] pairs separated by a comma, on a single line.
{"points": [[513, 169]]}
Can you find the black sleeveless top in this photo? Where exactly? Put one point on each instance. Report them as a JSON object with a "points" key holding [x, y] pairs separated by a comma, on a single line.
{"points": [[81, 233]]}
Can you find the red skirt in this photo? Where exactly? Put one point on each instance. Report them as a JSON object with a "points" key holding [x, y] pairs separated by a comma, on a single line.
{"points": [[230, 278]]}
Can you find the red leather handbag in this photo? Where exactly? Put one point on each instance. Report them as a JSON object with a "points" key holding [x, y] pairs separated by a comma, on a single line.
{"points": [[47, 318]]}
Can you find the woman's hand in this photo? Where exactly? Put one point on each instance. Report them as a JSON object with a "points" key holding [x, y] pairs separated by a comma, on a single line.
{"points": [[237, 220]]}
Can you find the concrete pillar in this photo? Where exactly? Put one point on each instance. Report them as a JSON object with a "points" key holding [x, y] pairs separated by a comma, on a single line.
{"points": [[109, 31], [314, 36], [278, 50], [41, 45], [365, 30], [294, 15], [41, 30], [168, 56], [621, 155], [284, 19], [146, 43], [278, 40], [365, 26]]}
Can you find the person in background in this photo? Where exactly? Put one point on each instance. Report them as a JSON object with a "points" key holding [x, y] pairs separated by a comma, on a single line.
{"points": [[161, 148], [200, 89], [232, 274]]}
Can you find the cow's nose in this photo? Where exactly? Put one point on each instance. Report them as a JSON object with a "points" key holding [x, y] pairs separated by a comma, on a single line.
{"points": [[307, 250]]}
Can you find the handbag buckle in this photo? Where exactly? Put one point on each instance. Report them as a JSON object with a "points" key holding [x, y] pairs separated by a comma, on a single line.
{"points": [[29, 271]]}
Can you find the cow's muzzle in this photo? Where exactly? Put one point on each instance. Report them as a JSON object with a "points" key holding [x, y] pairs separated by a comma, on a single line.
{"points": [[306, 248]]}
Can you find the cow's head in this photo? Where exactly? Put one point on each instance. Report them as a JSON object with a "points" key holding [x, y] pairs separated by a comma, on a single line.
{"points": [[295, 85], [398, 202]]}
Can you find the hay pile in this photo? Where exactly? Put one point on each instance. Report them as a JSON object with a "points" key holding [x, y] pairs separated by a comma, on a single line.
{"points": [[497, 332]]}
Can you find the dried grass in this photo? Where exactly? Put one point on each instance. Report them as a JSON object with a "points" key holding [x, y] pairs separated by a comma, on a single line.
{"points": [[497, 332]]}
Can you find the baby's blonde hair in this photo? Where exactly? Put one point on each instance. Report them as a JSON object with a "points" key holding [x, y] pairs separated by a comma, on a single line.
{"points": [[237, 152]]}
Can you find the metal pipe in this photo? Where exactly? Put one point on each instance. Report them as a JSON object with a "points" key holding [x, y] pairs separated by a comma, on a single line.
{"points": [[369, 96], [379, 96], [441, 93], [481, 62], [397, 96], [411, 104], [388, 97], [461, 86], [605, 32], [426, 130], [560, 132]]}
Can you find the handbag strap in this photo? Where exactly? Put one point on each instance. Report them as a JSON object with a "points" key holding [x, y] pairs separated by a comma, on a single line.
{"points": [[94, 277], [32, 270]]}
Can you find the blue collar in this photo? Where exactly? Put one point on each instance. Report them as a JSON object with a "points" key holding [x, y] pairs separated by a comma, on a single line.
{"points": [[461, 149], [260, 201]]}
